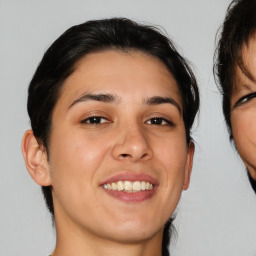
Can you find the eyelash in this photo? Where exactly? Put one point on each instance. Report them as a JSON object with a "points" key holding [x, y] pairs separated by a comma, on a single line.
{"points": [[245, 98], [161, 119], [97, 120]]}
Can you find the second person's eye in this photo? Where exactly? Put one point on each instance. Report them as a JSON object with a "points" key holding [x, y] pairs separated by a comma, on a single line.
{"points": [[245, 98]]}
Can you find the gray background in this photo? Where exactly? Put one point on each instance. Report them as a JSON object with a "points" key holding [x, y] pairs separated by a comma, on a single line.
{"points": [[216, 216]]}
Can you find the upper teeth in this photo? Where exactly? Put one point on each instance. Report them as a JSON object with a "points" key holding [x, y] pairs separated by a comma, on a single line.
{"points": [[129, 186]]}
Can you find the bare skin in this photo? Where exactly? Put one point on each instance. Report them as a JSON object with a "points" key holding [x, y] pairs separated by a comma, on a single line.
{"points": [[118, 118], [243, 106]]}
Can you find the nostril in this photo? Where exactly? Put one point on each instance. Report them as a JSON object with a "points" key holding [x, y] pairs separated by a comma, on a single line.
{"points": [[124, 155], [144, 155]]}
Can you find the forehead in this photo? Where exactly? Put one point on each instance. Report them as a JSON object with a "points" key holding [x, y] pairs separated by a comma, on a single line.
{"points": [[245, 74], [122, 73]]}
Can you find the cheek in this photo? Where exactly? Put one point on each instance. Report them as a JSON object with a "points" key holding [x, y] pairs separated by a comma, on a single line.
{"points": [[172, 150], [75, 157], [243, 127], [75, 160], [244, 133], [172, 159]]}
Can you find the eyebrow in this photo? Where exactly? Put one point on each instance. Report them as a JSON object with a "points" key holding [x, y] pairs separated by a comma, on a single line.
{"points": [[243, 87], [108, 98], [156, 100]]}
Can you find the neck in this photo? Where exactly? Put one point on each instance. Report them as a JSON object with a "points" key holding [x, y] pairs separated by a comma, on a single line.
{"points": [[73, 241], [106, 248]]}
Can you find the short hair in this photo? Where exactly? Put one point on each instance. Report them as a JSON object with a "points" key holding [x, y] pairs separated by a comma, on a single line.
{"points": [[60, 59], [238, 28]]}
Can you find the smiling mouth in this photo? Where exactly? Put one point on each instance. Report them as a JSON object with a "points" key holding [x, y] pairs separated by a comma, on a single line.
{"points": [[129, 186]]}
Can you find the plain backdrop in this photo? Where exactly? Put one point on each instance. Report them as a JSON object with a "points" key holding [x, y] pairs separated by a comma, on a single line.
{"points": [[216, 216]]}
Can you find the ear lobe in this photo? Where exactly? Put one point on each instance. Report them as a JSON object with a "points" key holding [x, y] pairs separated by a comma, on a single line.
{"points": [[189, 164], [35, 157]]}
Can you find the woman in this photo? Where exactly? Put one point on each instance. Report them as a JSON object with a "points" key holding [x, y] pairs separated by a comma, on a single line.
{"points": [[235, 69], [111, 107]]}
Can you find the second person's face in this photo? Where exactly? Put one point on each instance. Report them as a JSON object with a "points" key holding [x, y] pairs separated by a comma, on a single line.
{"points": [[243, 108]]}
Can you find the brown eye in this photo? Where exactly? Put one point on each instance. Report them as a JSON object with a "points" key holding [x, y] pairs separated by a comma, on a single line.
{"points": [[95, 120], [245, 98], [159, 121]]}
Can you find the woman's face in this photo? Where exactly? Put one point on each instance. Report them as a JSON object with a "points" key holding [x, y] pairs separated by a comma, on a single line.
{"points": [[243, 109], [118, 157]]}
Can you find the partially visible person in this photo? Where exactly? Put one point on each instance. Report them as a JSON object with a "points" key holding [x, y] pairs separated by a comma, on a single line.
{"points": [[235, 70], [111, 106]]}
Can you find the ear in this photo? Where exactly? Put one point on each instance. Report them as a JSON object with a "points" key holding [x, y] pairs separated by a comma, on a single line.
{"points": [[189, 164], [35, 157]]}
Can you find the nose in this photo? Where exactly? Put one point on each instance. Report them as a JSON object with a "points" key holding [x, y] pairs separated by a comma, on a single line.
{"points": [[132, 144]]}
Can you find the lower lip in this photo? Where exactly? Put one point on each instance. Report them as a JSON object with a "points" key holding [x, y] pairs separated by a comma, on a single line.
{"points": [[131, 197]]}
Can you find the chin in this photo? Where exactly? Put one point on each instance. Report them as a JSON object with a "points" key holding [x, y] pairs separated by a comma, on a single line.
{"points": [[134, 232], [136, 235]]}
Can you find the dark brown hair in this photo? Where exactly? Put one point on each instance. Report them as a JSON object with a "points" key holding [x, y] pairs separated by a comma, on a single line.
{"points": [[238, 27]]}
